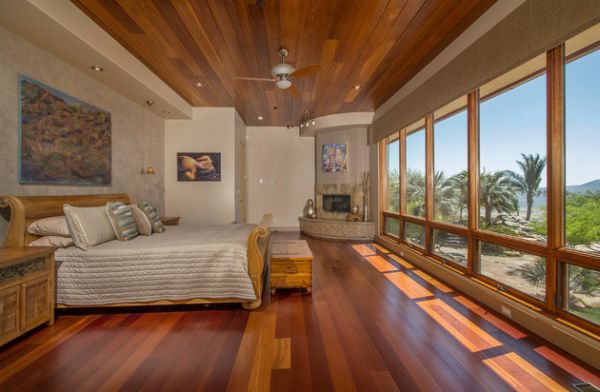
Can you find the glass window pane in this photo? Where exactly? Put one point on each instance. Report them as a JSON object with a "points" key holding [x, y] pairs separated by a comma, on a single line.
{"points": [[521, 271], [393, 176], [451, 247], [584, 293], [513, 161], [415, 234], [392, 226], [451, 180], [415, 173], [582, 102]]}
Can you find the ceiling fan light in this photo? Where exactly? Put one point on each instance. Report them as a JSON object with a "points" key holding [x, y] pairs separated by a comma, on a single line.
{"points": [[282, 69], [283, 84]]}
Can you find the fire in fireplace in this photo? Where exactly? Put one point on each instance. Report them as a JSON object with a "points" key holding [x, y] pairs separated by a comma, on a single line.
{"points": [[336, 203]]}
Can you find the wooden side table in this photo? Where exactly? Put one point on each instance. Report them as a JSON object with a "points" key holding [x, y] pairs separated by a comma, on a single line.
{"points": [[291, 265], [170, 220], [27, 282]]}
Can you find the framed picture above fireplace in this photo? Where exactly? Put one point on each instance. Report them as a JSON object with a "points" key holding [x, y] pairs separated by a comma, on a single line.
{"points": [[334, 158]]}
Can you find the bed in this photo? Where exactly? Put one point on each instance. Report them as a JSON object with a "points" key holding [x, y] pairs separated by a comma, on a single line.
{"points": [[187, 264]]}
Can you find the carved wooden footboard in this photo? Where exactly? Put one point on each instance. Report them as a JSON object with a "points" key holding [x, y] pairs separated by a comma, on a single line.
{"points": [[21, 211]]}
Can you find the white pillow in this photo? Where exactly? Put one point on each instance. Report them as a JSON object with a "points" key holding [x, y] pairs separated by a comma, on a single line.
{"points": [[52, 240], [88, 226], [141, 220], [53, 226]]}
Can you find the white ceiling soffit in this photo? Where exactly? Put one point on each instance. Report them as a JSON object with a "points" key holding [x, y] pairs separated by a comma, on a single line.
{"points": [[60, 28], [338, 121], [500, 10]]}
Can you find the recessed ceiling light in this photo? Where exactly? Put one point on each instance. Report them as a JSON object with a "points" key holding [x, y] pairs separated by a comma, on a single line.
{"points": [[199, 84], [96, 68], [166, 112], [260, 118], [357, 87], [149, 102], [314, 122]]}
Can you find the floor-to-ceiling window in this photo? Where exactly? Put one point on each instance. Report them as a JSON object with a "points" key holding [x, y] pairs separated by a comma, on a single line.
{"points": [[504, 183], [581, 274]]}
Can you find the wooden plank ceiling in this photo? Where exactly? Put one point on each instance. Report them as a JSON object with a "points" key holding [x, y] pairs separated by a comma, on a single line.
{"points": [[377, 44]]}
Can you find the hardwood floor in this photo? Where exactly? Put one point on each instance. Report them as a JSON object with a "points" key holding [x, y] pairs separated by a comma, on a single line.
{"points": [[373, 322]]}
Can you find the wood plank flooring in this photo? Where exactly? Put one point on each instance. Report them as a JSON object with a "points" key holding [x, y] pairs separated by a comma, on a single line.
{"points": [[374, 322]]}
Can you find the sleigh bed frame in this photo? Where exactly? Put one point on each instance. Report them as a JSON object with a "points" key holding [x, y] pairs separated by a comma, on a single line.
{"points": [[21, 211]]}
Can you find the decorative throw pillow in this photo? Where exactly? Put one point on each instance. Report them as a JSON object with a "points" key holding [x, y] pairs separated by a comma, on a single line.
{"points": [[52, 240], [53, 226], [88, 226], [122, 221], [152, 214], [141, 220]]}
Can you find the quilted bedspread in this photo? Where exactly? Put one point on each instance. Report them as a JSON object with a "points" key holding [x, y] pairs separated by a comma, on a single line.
{"points": [[184, 262]]}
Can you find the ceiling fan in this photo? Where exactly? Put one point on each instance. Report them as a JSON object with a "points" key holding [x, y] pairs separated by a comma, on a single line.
{"points": [[283, 75]]}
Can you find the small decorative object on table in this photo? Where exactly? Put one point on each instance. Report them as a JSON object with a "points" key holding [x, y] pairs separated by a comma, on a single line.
{"points": [[170, 220], [291, 265], [353, 218], [355, 209], [27, 276], [365, 181], [309, 209]]}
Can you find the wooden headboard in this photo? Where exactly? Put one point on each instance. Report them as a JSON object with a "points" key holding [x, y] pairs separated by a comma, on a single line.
{"points": [[20, 211]]}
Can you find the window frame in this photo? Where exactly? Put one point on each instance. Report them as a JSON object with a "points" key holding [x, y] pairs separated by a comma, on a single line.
{"points": [[555, 251]]}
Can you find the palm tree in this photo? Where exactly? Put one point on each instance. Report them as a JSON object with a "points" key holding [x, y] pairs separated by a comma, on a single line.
{"points": [[415, 192], [528, 182], [444, 195], [393, 191], [497, 192], [460, 182]]}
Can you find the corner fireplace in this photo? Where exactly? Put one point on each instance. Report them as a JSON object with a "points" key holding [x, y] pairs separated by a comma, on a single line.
{"points": [[337, 203]]}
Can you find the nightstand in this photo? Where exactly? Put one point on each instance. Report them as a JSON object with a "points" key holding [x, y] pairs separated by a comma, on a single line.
{"points": [[291, 265], [27, 281], [170, 220]]}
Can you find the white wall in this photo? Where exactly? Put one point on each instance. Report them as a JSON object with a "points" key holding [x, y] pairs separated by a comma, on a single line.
{"points": [[137, 134], [281, 174], [240, 138], [209, 130]]}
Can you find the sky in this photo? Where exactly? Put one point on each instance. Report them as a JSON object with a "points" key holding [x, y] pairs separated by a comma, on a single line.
{"points": [[515, 122]]}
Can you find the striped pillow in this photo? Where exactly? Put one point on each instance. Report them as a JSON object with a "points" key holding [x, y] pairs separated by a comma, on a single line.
{"points": [[152, 214], [121, 219]]}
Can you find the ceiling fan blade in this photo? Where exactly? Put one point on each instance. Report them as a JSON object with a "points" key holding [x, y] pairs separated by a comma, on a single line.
{"points": [[255, 79], [306, 71], [293, 91]]}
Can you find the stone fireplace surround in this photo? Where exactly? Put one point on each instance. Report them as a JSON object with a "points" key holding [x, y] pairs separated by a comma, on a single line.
{"points": [[333, 225], [356, 198]]}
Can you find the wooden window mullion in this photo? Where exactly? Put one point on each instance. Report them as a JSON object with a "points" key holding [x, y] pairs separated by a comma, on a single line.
{"points": [[429, 177], [402, 146], [556, 175], [473, 152]]}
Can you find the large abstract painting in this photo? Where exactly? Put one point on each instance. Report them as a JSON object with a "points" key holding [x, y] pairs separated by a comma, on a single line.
{"points": [[63, 141], [198, 166], [335, 158]]}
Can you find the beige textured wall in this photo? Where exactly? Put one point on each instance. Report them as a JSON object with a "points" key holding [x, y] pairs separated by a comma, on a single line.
{"points": [[137, 134], [358, 155]]}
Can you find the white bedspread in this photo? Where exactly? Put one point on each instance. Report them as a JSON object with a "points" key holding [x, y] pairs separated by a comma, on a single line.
{"points": [[184, 262]]}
